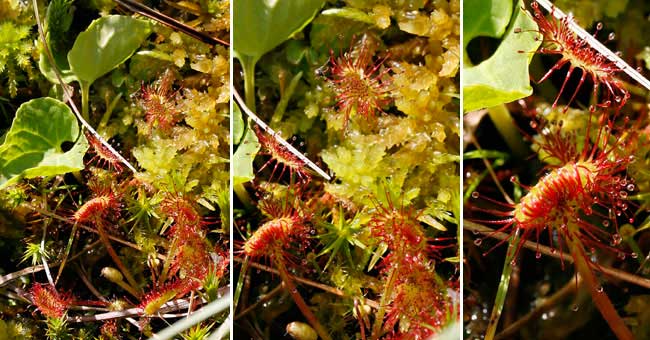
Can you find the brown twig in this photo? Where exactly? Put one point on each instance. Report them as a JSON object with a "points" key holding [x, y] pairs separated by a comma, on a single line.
{"points": [[331, 290], [35, 269], [93, 230], [616, 273], [170, 22], [263, 299], [168, 307], [547, 304]]}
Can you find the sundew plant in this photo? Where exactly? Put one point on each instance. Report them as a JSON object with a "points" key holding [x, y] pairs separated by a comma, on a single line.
{"points": [[363, 243], [114, 192], [556, 206]]}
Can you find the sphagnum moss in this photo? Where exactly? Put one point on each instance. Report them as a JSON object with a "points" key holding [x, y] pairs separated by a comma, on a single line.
{"points": [[400, 146], [110, 240]]}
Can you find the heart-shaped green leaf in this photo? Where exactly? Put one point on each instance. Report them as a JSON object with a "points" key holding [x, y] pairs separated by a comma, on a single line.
{"points": [[108, 42], [261, 25], [503, 77], [34, 144], [242, 159], [485, 19]]}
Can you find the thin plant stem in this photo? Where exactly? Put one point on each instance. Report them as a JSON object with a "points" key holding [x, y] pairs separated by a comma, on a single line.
{"points": [[85, 98], [109, 112], [243, 195], [213, 308], [248, 66], [125, 271], [284, 101], [326, 288], [379, 317], [297, 298], [266, 297], [167, 264], [612, 272], [503, 122], [503, 287], [493, 174], [601, 300], [240, 283], [67, 251], [548, 304]]}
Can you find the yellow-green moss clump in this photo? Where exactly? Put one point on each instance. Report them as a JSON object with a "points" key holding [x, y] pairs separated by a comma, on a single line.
{"points": [[393, 153]]}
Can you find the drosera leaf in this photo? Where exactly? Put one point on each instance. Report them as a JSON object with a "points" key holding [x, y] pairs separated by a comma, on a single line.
{"points": [[261, 25], [34, 144], [504, 77], [108, 42]]}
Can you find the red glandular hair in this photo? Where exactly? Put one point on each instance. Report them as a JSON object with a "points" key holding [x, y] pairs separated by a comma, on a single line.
{"points": [[285, 226], [421, 303], [419, 300], [585, 185], [398, 227], [182, 210], [360, 85], [97, 209], [559, 39], [103, 155], [281, 158], [50, 302], [157, 101]]}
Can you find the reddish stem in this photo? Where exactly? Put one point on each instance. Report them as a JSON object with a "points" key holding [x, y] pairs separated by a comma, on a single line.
{"points": [[107, 243], [601, 300], [302, 305]]}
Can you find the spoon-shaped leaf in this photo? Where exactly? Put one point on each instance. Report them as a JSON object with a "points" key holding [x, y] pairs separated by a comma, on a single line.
{"points": [[261, 25], [34, 144], [108, 42]]}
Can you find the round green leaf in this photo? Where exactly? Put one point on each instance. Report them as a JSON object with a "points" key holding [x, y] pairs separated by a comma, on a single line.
{"points": [[108, 42], [261, 25], [504, 77], [34, 144], [485, 19]]}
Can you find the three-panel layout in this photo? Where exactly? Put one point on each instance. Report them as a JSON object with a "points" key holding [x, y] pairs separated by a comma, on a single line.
{"points": [[324, 169]]}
